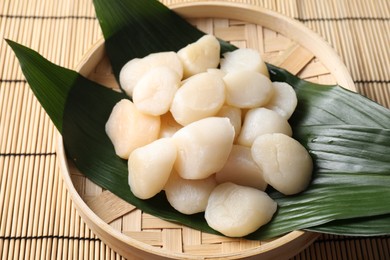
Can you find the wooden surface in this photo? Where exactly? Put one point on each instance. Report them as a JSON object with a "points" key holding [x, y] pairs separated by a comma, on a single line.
{"points": [[37, 217]]}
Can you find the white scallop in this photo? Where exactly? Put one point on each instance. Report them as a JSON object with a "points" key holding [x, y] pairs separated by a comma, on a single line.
{"points": [[203, 147], [241, 169], [259, 121], [234, 115], [199, 97], [150, 167], [236, 210], [243, 59], [247, 89], [216, 71], [286, 164], [189, 196], [169, 126], [135, 69], [199, 56], [129, 129], [284, 100], [154, 92]]}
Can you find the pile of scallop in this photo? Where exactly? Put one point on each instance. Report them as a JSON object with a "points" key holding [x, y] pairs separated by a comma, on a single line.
{"points": [[211, 132]]}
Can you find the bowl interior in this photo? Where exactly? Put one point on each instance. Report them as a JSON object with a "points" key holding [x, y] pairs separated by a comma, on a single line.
{"points": [[282, 42]]}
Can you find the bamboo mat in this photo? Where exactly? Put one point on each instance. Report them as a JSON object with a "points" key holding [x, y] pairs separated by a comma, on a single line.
{"points": [[37, 217]]}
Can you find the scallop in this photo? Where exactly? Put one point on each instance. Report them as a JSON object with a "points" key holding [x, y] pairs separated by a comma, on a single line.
{"points": [[241, 169], [286, 164], [129, 129], [130, 73], [247, 89], [216, 71], [203, 147], [136, 68], [243, 59], [154, 92], [199, 56], [199, 97], [237, 211], [169, 126], [189, 196], [234, 115], [284, 100], [150, 167], [259, 121]]}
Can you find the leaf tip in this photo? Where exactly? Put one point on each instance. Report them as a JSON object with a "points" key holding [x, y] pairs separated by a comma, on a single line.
{"points": [[11, 43]]}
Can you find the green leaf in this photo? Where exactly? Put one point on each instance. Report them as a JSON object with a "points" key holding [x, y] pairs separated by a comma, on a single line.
{"points": [[339, 189], [134, 29], [321, 104], [346, 134], [368, 226], [331, 196], [49, 82], [347, 148]]}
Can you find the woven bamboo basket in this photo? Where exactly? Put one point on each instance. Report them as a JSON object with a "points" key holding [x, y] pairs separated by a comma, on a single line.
{"points": [[136, 235]]}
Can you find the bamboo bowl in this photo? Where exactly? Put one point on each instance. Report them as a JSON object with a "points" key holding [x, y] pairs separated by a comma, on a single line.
{"points": [[136, 235]]}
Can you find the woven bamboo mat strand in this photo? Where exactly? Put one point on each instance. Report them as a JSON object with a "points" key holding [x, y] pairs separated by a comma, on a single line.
{"points": [[359, 33], [37, 218]]}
